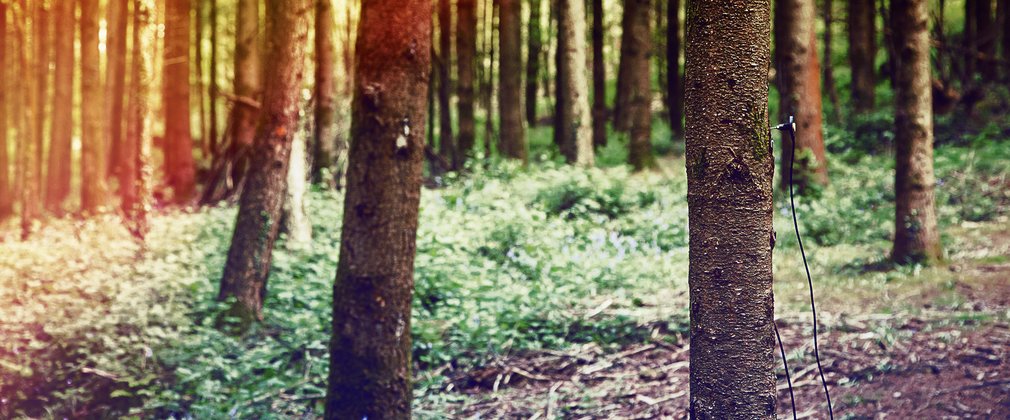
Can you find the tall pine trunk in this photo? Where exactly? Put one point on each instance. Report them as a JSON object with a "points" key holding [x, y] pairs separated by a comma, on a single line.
{"points": [[510, 99], [370, 350], [212, 123], [862, 53], [59, 163], [443, 64], [324, 137], [115, 79], [636, 50], [829, 74], [535, 43], [6, 199], [179, 166], [599, 79], [916, 238], [675, 80], [987, 37], [248, 266], [729, 173], [133, 154], [94, 192], [573, 129], [466, 58]]}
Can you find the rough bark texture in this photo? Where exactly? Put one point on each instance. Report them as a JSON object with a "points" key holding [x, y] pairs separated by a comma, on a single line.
{"points": [[573, 129], [862, 51], [370, 349], [636, 50], [729, 170], [115, 79], [916, 238], [535, 44], [6, 199], [510, 99], [178, 138], [59, 163], [800, 92], [599, 79], [132, 187], [248, 266], [94, 192], [466, 58], [324, 138], [675, 81], [446, 141], [987, 37]]}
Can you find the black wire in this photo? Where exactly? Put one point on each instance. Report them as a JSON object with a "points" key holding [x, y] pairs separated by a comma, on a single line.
{"points": [[785, 364], [810, 282]]}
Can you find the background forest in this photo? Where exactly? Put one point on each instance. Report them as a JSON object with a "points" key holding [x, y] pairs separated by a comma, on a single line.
{"points": [[181, 181]]}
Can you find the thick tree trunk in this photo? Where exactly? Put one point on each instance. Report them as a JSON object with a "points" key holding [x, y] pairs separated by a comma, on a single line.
{"points": [[59, 163], [916, 237], [599, 79], [443, 64], [533, 51], [115, 79], [179, 165], [510, 99], [800, 92], [987, 36], [573, 128], [466, 58], [94, 192], [862, 53], [675, 81], [325, 135], [370, 349], [729, 169], [248, 266], [636, 49], [829, 75], [132, 187], [6, 199]]}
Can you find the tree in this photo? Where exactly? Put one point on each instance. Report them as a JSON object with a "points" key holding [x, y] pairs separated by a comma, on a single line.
{"points": [[248, 266], [213, 141], [510, 100], [636, 49], [800, 92], [862, 53], [599, 79], [370, 349], [443, 65], [59, 163], [916, 238], [573, 130], [133, 152], [324, 137], [1003, 11], [296, 219], [987, 36], [6, 198], [94, 192], [535, 43], [829, 75], [115, 79], [179, 166], [466, 59], [729, 170], [675, 81]]}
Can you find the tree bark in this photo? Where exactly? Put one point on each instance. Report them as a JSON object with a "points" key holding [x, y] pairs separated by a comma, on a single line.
{"points": [[829, 75], [622, 101], [730, 171], [212, 126], [533, 51], [94, 192], [987, 37], [115, 79], [370, 349], [488, 90], [296, 219], [572, 120], [6, 198], [1003, 11], [29, 139], [971, 41], [443, 64], [800, 92], [324, 137], [916, 237], [636, 49], [248, 266], [510, 99], [466, 58], [862, 53], [178, 138], [599, 79], [133, 154], [59, 163], [675, 80]]}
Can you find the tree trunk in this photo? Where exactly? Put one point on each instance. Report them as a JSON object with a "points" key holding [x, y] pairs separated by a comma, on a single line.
{"points": [[212, 124], [296, 219], [443, 64], [862, 54], [248, 266], [636, 48], [41, 43], [987, 36], [510, 99], [132, 186], [916, 238], [178, 138], [572, 120], [6, 199], [971, 41], [370, 349], [534, 46], [829, 75], [675, 80], [94, 192], [115, 79], [1003, 11], [466, 58], [198, 68], [29, 139], [488, 92], [730, 171], [59, 163], [324, 137], [622, 101], [800, 92], [599, 79], [888, 42]]}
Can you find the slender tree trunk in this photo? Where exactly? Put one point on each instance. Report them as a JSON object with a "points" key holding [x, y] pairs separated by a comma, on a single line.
{"points": [[30, 141], [21, 110], [324, 138], [6, 199], [987, 36], [370, 349], [862, 53], [198, 68], [296, 219], [534, 45], [916, 237], [888, 42], [94, 192], [573, 126], [42, 61], [622, 101], [443, 64], [730, 171], [599, 79], [59, 163], [800, 92], [1003, 11], [636, 49], [466, 59], [675, 80], [510, 99], [115, 77], [248, 266], [212, 124], [971, 43], [178, 138], [488, 92], [829, 75], [132, 186]]}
